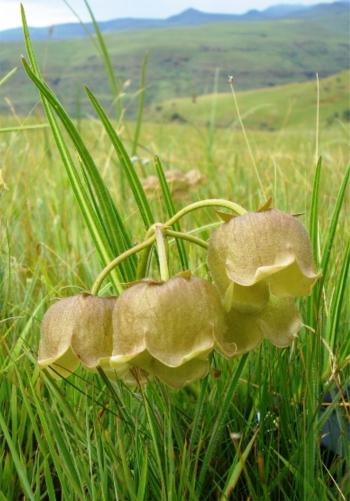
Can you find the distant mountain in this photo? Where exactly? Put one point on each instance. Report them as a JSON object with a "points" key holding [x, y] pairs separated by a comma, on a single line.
{"points": [[283, 10], [183, 58], [189, 17]]}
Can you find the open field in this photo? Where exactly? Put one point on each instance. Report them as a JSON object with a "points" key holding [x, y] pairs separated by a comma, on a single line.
{"points": [[252, 429], [282, 107]]}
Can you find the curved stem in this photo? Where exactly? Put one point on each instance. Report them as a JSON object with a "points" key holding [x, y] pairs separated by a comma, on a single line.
{"points": [[97, 284], [202, 204], [163, 262], [188, 237]]}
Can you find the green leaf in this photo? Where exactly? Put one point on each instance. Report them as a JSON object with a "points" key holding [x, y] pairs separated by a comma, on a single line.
{"points": [[132, 177], [92, 219]]}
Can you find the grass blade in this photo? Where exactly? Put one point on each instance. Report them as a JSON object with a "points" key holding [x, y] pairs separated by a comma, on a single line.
{"points": [[313, 220], [8, 76], [237, 469], [219, 422], [20, 467], [115, 233], [333, 225], [132, 177], [115, 86], [96, 230], [141, 106]]}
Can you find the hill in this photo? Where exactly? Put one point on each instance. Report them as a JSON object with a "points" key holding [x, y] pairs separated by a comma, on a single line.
{"points": [[188, 17], [183, 60], [266, 109]]}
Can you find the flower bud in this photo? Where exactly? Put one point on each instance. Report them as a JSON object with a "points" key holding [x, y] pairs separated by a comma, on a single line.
{"points": [[261, 252], [77, 329], [279, 322], [168, 328]]}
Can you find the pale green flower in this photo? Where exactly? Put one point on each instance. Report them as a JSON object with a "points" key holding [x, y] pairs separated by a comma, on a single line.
{"points": [[279, 322], [260, 253], [168, 328], [76, 330]]}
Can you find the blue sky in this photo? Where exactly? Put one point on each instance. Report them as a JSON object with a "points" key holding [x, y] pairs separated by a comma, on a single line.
{"points": [[47, 12]]}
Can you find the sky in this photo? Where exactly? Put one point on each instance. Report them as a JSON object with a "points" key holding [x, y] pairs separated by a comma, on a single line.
{"points": [[48, 12]]}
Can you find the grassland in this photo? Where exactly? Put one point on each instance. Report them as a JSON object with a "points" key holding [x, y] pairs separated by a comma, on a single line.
{"points": [[285, 106], [80, 439], [183, 61]]}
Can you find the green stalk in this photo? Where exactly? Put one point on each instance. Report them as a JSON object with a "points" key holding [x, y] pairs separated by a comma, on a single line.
{"points": [[186, 236], [203, 204], [137, 248], [162, 254]]}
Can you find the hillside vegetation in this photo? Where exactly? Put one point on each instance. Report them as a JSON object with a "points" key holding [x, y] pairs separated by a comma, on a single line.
{"points": [[274, 108], [183, 61]]}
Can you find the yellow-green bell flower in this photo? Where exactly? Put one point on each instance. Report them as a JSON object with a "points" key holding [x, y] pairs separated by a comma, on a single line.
{"points": [[258, 253], [76, 330], [168, 328], [279, 322]]}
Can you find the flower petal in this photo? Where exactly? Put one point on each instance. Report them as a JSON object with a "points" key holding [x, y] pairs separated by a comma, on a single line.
{"points": [[56, 336], [260, 246], [186, 312], [129, 324], [180, 376], [246, 299], [243, 334], [175, 321], [92, 332], [280, 322], [77, 329], [177, 377]]}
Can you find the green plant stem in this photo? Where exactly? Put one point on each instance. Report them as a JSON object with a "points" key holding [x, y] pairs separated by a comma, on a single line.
{"points": [[163, 262], [250, 151], [186, 236], [142, 264], [202, 204], [157, 229], [137, 248]]}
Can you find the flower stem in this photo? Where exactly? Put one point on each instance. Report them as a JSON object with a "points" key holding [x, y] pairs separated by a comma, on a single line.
{"points": [[163, 262], [202, 204], [188, 237], [137, 248], [142, 264]]}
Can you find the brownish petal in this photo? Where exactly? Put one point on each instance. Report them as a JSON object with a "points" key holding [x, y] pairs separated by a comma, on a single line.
{"points": [[266, 246], [174, 321], [56, 337], [92, 331]]}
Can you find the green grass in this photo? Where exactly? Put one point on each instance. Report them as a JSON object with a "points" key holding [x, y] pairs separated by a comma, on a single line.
{"points": [[183, 61], [271, 109], [81, 438]]}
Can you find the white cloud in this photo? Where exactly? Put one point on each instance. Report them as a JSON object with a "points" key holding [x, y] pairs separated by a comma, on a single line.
{"points": [[38, 13]]}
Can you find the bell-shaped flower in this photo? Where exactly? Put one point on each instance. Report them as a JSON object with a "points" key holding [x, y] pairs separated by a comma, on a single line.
{"points": [[76, 330], [279, 322], [168, 328], [258, 253]]}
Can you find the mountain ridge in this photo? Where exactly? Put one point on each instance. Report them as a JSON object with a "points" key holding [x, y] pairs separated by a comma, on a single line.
{"points": [[188, 17]]}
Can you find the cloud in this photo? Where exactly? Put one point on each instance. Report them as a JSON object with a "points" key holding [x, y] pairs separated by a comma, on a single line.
{"points": [[38, 13]]}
